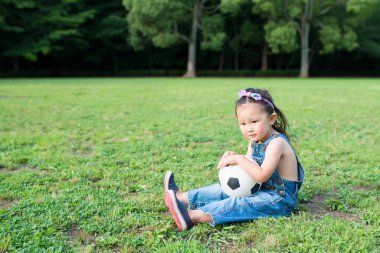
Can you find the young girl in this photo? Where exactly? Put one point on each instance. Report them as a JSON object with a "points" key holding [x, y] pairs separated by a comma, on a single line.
{"points": [[270, 159]]}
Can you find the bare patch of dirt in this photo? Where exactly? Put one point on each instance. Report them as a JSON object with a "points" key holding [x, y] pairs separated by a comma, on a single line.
{"points": [[78, 236], [317, 209], [206, 143], [166, 214], [271, 241], [362, 188], [85, 151], [23, 168], [6, 204]]}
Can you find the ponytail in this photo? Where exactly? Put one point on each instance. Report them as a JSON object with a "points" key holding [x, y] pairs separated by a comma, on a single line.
{"points": [[281, 124]]}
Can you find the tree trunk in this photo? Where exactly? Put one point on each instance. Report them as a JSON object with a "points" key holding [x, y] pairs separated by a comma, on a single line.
{"points": [[150, 58], [192, 53], [236, 51], [221, 60], [264, 57], [278, 61], [15, 64], [304, 34], [191, 60], [115, 64], [236, 58], [304, 71]]}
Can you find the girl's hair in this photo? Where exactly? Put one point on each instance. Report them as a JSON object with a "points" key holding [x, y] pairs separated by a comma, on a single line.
{"points": [[281, 124]]}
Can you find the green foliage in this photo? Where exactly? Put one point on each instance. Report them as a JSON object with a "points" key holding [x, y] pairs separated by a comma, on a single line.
{"points": [[166, 22], [281, 37], [268, 8], [333, 37], [42, 26], [333, 22], [104, 35], [360, 6], [295, 9], [163, 40], [82, 163], [244, 32], [213, 32], [369, 33], [96, 33], [155, 20], [233, 7]]}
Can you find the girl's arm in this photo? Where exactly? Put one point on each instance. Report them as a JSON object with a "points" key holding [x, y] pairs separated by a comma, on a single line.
{"points": [[261, 173], [248, 155], [249, 150]]}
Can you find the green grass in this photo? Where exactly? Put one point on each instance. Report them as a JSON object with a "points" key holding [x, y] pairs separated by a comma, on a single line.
{"points": [[82, 163]]}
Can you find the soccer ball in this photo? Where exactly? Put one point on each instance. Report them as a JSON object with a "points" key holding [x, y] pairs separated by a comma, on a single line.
{"points": [[235, 182]]}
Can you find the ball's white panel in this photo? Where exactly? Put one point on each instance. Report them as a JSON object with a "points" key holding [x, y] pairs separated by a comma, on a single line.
{"points": [[245, 181]]}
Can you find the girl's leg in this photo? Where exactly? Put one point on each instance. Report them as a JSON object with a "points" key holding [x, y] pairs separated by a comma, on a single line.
{"points": [[260, 205], [201, 196], [198, 216], [232, 209], [197, 198], [176, 202], [184, 218], [182, 196]]}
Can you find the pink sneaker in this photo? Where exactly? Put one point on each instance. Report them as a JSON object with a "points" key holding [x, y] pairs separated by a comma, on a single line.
{"points": [[178, 211]]}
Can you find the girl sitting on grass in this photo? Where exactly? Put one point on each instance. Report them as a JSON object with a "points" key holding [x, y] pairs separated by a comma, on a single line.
{"points": [[270, 159]]}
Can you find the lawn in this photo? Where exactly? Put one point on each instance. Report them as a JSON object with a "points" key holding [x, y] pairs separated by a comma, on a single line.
{"points": [[82, 163]]}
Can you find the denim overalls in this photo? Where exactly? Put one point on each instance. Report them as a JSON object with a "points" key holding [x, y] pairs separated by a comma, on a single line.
{"points": [[276, 198]]}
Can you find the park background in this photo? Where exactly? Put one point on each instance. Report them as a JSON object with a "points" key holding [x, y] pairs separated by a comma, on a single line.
{"points": [[94, 111], [216, 38]]}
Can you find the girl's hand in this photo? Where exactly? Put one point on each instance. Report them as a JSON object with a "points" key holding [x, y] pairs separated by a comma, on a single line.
{"points": [[228, 153], [228, 160]]}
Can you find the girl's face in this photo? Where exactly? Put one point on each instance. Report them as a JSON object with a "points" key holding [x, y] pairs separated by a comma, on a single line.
{"points": [[255, 124]]}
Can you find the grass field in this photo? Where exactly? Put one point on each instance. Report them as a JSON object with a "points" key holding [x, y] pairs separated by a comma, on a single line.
{"points": [[82, 163]]}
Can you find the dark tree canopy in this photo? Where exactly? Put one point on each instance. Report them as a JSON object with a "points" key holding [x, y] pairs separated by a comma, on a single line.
{"points": [[163, 37]]}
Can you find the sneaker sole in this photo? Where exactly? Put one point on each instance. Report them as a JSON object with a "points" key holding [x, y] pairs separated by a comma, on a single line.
{"points": [[166, 185], [166, 180], [174, 210]]}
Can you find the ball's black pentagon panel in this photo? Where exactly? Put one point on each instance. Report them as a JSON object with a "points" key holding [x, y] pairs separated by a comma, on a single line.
{"points": [[233, 183], [255, 188]]}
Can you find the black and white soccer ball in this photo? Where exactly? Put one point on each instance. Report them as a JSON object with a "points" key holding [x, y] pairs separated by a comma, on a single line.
{"points": [[235, 182]]}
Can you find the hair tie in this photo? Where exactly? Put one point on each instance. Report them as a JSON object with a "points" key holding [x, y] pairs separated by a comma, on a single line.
{"points": [[255, 96]]}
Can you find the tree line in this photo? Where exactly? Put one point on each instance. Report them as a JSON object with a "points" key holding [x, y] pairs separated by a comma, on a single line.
{"points": [[115, 36]]}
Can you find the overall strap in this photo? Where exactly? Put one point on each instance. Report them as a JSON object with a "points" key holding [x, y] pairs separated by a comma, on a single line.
{"points": [[265, 144], [273, 136], [301, 173]]}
